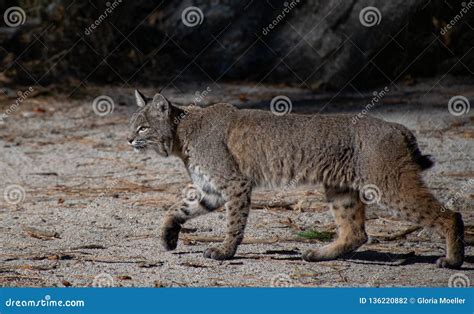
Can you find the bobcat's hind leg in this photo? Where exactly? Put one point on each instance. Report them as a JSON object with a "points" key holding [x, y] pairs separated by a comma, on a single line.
{"points": [[349, 215], [417, 204], [453, 228]]}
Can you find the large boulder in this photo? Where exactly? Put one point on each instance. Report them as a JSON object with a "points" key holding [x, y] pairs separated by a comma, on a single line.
{"points": [[310, 43]]}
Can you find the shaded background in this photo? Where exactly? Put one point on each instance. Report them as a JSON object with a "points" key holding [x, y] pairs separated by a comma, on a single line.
{"points": [[320, 44]]}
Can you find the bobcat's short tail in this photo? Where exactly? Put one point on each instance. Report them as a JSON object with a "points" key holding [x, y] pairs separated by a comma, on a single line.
{"points": [[424, 161]]}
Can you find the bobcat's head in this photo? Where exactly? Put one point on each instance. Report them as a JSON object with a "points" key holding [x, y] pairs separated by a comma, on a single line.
{"points": [[151, 126]]}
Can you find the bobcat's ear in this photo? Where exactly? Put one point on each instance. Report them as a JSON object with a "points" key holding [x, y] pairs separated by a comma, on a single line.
{"points": [[140, 98], [161, 105]]}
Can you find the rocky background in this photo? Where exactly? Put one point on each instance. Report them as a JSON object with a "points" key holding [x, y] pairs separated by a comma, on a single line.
{"points": [[315, 44]]}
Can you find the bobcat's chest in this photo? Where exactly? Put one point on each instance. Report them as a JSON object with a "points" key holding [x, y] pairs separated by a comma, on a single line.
{"points": [[202, 181]]}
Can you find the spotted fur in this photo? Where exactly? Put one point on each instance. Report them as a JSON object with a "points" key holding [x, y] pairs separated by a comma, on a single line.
{"points": [[227, 152]]}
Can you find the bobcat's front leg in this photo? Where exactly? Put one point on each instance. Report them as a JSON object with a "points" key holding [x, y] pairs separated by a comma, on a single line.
{"points": [[180, 213], [170, 232], [237, 208]]}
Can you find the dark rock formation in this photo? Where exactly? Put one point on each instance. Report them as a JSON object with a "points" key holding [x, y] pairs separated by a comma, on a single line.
{"points": [[312, 43]]}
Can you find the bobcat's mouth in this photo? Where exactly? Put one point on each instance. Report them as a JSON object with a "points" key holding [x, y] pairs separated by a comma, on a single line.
{"points": [[139, 148], [139, 145]]}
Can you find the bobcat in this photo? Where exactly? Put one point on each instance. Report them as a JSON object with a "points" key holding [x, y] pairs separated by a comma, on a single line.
{"points": [[228, 151]]}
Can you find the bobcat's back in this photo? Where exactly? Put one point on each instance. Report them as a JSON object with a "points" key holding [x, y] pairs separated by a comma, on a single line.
{"points": [[274, 150], [306, 149]]}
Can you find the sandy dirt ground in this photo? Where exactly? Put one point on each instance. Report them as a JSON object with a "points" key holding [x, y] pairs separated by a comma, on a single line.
{"points": [[89, 209]]}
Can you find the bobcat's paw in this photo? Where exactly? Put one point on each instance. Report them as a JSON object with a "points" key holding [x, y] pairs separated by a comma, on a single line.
{"points": [[443, 262], [218, 253], [169, 236], [314, 256]]}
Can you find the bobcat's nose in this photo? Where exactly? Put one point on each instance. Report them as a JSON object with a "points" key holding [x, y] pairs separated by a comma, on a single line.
{"points": [[130, 141]]}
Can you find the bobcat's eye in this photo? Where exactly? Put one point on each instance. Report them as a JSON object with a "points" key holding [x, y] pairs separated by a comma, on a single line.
{"points": [[142, 129]]}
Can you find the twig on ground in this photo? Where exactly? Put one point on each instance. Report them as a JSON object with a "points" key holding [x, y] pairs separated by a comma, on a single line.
{"points": [[398, 235], [41, 234]]}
